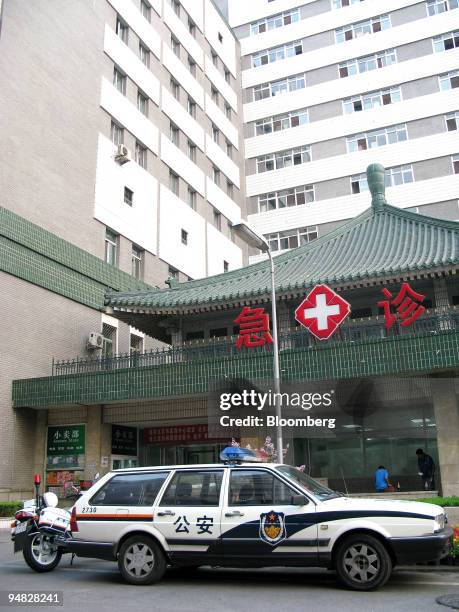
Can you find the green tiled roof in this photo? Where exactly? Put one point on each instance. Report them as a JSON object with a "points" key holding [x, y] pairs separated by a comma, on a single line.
{"points": [[383, 241], [29, 252]]}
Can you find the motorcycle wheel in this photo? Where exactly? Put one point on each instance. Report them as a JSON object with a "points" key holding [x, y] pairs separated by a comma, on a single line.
{"points": [[40, 553]]}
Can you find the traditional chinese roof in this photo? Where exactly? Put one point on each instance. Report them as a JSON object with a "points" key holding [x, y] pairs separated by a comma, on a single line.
{"points": [[383, 243]]}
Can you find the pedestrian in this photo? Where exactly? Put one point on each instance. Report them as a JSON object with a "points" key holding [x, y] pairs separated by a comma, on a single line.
{"points": [[426, 470], [382, 483]]}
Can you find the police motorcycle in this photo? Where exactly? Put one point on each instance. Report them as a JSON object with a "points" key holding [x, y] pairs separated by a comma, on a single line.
{"points": [[40, 530]]}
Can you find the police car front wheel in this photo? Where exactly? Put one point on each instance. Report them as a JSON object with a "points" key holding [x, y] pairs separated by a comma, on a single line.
{"points": [[141, 560], [363, 563]]}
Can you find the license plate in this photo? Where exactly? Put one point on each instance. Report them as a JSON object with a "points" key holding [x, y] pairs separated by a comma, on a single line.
{"points": [[20, 528]]}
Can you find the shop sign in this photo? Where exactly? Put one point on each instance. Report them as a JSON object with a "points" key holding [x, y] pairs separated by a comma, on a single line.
{"points": [[406, 306], [124, 440], [322, 311], [176, 434], [66, 447], [253, 328]]}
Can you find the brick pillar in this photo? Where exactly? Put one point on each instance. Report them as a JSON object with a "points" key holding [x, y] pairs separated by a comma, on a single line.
{"points": [[40, 444], [93, 441], [447, 419]]}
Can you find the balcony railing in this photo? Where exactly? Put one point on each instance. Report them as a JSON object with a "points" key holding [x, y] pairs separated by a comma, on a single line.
{"points": [[352, 331]]}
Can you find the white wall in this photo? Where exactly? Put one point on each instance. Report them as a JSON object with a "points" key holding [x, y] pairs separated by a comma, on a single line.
{"points": [[137, 223], [131, 14], [180, 116], [218, 198], [182, 165], [175, 215], [219, 249], [216, 154], [182, 75], [195, 9], [213, 25], [181, 32]]}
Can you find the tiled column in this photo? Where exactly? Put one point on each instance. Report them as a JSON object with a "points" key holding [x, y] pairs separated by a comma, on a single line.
{"points": [[40, 443], [93, 441], [447, 419]]}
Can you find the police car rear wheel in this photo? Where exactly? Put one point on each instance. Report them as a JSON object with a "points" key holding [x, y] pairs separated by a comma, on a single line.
{"points": [[141, 560], [363, 563]]}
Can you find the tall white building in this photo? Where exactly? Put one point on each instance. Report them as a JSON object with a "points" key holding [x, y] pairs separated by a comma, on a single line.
{"points": [[330, 86]]}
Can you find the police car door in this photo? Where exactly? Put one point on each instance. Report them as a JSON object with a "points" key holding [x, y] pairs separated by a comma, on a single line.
{"points": [[262, 519], [188, 515]]}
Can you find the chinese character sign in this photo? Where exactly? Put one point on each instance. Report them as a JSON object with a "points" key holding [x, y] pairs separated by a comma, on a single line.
{"points": [[407, 305], [253, 328]]}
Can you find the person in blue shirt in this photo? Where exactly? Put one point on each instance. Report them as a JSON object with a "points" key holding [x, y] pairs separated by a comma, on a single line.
{"points": [[381, 479]]}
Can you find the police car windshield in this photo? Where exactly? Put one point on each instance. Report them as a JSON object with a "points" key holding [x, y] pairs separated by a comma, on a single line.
{"points": [[306, 482]]}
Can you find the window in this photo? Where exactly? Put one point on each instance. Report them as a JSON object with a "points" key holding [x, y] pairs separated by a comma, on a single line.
{"points": [[122, 29], [175, 46], [281, 122], [229, 149], [220, 37], [117, 133], [452, 121], [337, 4], [276, 88], [258, 488], [295, 196], [215, 134], [192, 66], [291, 239], [192, 151], [174, 134], [359, 183], [372, 100], [377, 138], [184, 236], [399, 175], [119, 80], [227, 76], [135, 344], [191, 198], [228, 111], [191, 107], [111, 247], [142, 103], [214, 58], [175, 89], [144, 55], [434, 7], [130, 490], [367, 63], [191, 28], [145, 9], [194, 488], [136, 262], [455, 162], [284, 159], [229, 189], [449, 80], [128, 196], [173, 272], [173, 182], [276, 21], [176, 7], [196, 335], [141, 155], [225, 269], [216, 175], [445, 42], [357, 30], [214, 95], [268, 56], [217, 219], [109, 334]]}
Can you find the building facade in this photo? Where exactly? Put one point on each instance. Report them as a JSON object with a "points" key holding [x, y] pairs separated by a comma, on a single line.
{"points": [[330, 86], [123, 167]]}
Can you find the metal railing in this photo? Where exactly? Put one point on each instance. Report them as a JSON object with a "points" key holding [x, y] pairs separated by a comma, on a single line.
{"points": [[351, 331]]}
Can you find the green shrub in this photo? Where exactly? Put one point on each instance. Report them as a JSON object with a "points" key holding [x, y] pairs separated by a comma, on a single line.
{"points": [[8, 508], [445, 502]]}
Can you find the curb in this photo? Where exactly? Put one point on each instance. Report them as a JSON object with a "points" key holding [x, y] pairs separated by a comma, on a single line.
{"points": [[427, 568]]}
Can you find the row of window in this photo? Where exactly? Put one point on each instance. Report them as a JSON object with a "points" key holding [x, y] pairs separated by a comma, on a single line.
{"points": [[269, 56], [337, 4], [281, 122], [290, 239], [110, 341], [275, 21], [376, 138], [276, 88], [434, 7], [356, 30], [283, 159], [111, 253]]}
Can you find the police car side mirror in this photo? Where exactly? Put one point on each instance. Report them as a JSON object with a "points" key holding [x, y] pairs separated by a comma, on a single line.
{"points": [[299, 500]]}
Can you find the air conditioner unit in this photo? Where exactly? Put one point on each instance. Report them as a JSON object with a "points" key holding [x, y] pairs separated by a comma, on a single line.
{"points": [[95, 341], [123, 155]]}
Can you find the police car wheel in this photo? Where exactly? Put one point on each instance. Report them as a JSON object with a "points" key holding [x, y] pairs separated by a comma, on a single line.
{"points": [[141, 560], [363, 563], [40, 553]]}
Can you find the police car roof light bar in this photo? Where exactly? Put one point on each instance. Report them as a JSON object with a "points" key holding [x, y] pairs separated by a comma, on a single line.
{"points": [[234, 454]]}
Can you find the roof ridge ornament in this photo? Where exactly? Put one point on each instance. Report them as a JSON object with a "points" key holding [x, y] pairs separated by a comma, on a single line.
{"points": [[376, 177]]}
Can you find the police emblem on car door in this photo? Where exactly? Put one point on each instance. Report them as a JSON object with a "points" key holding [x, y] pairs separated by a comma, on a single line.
{"points": [[272, 527]]}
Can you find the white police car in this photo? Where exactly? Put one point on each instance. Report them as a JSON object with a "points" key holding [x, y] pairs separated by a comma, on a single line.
{"points": [[242, 514]]}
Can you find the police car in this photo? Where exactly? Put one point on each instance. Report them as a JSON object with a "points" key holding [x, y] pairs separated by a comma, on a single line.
{"points": [[245, 514]]}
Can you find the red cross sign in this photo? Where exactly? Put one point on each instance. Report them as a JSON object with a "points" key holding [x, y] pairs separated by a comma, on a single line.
{"points": [[322, 311]]}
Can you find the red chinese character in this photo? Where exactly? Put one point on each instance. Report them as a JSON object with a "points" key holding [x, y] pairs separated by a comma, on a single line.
{"points": [[253, 328], [407, 304]]}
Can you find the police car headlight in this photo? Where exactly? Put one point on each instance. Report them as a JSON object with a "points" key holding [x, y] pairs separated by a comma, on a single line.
{"points": [[439, 522]]}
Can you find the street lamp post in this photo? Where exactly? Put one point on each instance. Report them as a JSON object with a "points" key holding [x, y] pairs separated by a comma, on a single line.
{"points": [[246, 233]]}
